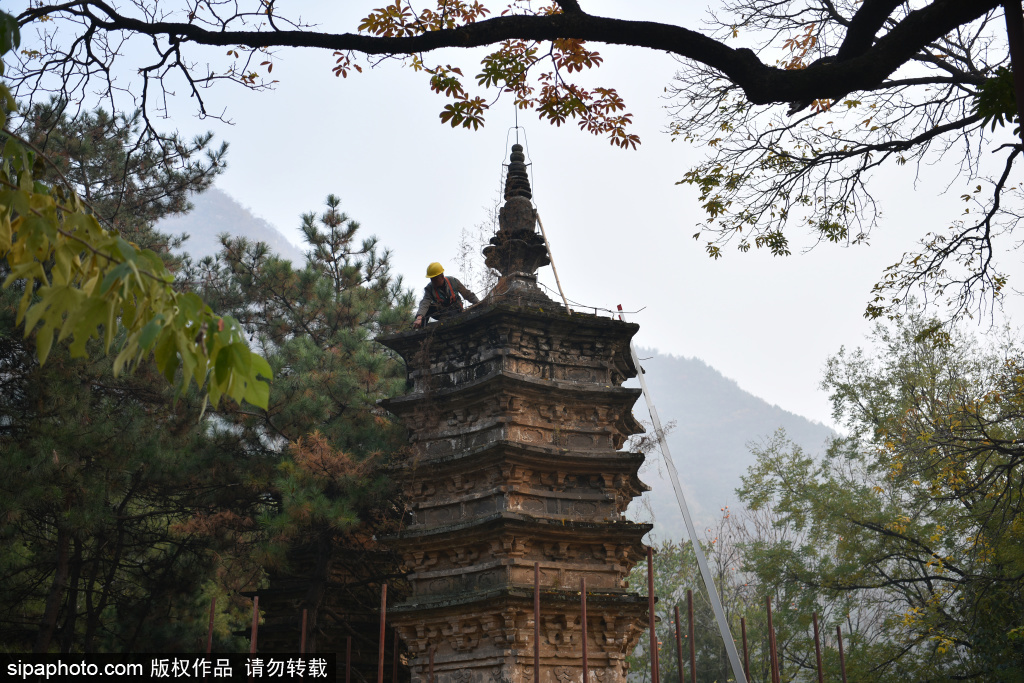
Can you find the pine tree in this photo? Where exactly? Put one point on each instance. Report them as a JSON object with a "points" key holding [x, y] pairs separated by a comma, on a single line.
{"points": [[127, 179], [104, 477], [317, 326]]}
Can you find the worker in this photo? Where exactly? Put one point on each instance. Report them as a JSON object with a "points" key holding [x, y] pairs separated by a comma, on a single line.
{"points": [[442, 298]]}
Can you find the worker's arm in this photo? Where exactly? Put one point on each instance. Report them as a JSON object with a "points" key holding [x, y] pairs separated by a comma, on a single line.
{"points": [[421, 312], [464, 291]]}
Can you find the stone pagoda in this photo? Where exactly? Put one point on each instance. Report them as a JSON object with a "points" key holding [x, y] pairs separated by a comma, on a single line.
{"points": [[516, 416]]}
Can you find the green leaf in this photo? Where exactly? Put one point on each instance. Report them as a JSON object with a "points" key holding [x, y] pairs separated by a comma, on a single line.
{"points": [[44, 340], [165, 354], [222, 365], [120, 271], [261, 367], [257, 392], [150, 332]]}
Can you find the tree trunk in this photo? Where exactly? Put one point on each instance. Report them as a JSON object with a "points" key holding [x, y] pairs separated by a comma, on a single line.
{"points": [[91, 613], [71, 610], [318, 587], [48, 624], [1015, 37], [115, 562]]}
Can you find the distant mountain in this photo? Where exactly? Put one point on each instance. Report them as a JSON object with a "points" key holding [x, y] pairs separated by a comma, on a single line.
{"points": [[217, 212], [714, 422]]}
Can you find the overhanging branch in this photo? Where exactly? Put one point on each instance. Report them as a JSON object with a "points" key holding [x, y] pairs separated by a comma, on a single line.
{"points": [[761, 83]]}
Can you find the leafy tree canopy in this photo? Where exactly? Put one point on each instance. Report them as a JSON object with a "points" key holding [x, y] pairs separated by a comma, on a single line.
{"points": [[917, 515], [80, 279], [316, 325], [108, 479], [866, 84], [907, 533]]}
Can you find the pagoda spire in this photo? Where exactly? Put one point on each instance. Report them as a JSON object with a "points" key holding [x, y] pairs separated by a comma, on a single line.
{"points": [[517, 250], [517, 181]]}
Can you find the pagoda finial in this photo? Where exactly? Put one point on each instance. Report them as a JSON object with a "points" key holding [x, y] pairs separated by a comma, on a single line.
{"points": [[517, 250], [517, 182]]}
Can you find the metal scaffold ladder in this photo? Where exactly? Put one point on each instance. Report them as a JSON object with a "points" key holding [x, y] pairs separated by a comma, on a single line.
{"points": [[702, 562]]}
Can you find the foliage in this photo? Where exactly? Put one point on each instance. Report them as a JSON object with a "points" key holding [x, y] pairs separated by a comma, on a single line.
{"points": [[108, 479], [995, 101], [917, 513], [879, 84], [78, 279], [743, 590], [317, 327], [126, 513], [103, 480], [148, 510], [675, 572], [128, 180], [770, 170]]}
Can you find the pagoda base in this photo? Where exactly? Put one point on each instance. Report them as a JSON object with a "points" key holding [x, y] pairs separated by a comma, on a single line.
{"points": [[490, 638]]}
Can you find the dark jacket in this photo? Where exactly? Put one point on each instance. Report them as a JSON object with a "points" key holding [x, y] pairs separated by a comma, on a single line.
{"points": [[441, 302]]}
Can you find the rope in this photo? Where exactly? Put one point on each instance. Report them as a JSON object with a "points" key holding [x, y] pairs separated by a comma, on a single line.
{"points": [[594, 308], [547, 243]]}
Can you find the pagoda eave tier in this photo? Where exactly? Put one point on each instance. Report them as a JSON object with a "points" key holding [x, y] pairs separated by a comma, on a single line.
{"points": [[510, 522], [508, 406], [545, 343], [529, 473], [502, 548], [518, 596], [527, 454]]}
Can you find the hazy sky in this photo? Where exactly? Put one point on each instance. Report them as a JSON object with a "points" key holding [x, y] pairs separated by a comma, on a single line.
{"points": [[619, 227]]}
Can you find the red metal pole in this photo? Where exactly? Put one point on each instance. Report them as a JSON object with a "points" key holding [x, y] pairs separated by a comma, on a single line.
{"points": [[650, 608], [842, 656], [583, 627], [536, 622], [693, 638], [746, 657], [771, 645], [255, 623], [348, 659], [302, 639], [394, 666], [209, 635], [817, 647], [679, 646], [383, 616]]}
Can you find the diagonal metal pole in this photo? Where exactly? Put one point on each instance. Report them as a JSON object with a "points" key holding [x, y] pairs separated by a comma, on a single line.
{"points": [[552, 259], [702, 563]]}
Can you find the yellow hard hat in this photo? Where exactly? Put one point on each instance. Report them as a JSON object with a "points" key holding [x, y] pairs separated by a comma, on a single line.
{"points": [[434, 269]]}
